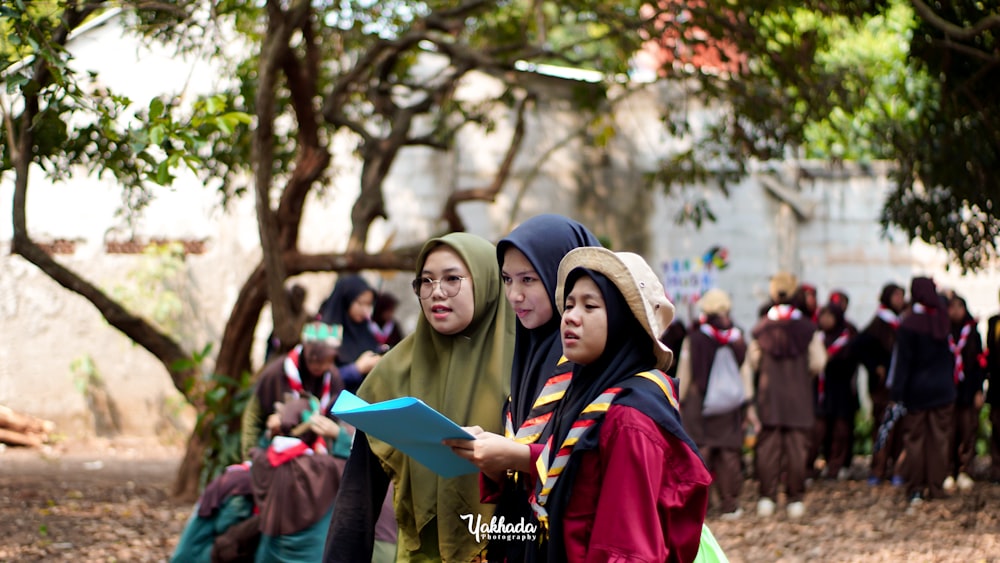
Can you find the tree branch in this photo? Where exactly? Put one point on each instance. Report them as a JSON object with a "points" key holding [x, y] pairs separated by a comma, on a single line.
{"points": [[427, 141], [964, 49], [8, 124], [489, 193], [340, 120], [400, 259], [164, 348], [274, 52], [544, 156], [313, 158], [336, 99], [952, 30], [165, 7]]}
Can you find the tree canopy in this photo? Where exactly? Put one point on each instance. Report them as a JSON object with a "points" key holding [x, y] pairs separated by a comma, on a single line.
{"points": [[902, 80]]}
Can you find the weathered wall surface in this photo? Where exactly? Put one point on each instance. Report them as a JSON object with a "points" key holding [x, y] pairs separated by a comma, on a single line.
{"points": [[561, 168]]}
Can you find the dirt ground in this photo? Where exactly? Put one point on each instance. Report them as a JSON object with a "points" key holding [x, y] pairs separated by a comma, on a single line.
{"points": [[108, 501]]}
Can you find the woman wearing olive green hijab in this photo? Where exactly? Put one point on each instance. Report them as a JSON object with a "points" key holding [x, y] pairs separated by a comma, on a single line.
{"points": [[457, 361]]}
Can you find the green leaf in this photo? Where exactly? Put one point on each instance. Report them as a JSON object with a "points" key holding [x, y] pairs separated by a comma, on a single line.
{"points": [[183, 364], [225, 125], [215, 104], [163, 176], [216, 395], [238, 117], [155, 108], [156, 134], [16, 81], [193, 163]]}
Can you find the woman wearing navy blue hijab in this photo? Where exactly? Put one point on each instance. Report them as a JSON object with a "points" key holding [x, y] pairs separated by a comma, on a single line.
{"points": [[529, 263], [530, 255], [350, 305]]}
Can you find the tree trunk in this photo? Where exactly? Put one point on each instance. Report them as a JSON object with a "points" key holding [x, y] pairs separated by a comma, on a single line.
{"points": [[187, 485]]}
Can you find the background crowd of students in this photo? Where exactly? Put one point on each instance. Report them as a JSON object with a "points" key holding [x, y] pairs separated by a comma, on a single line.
{"points": [[797, 400]]}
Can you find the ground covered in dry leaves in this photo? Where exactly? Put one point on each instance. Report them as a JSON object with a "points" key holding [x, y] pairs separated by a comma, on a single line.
{"points": [[110, 502]]}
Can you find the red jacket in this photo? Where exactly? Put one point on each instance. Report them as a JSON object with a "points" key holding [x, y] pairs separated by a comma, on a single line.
{"points": [[641, 496]]}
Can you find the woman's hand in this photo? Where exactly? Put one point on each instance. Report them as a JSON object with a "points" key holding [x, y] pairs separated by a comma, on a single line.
{"points": [[323, 426], [493, 454], [273, 422], [366, 362]]}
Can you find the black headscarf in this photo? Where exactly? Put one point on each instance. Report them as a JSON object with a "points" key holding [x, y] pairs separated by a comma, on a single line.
{"points": [[885, 299], [935, 320], [544, 240], [968, 318], [358, 338], [628, 351]]}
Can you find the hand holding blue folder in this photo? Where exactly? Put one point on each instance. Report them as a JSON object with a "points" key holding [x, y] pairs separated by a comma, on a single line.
{"points": [[410, 426]]}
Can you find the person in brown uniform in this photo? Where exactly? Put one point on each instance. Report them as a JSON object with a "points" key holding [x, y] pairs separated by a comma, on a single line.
{"points": [[714, 394], [921, 379], [967, 348], [787, 351]]}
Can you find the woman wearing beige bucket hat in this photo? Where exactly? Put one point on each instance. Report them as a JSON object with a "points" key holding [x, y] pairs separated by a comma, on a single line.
{"points": [[617, 462]]}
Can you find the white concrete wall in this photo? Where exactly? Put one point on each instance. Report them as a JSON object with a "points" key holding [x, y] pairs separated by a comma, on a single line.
{"points": [[841, 247]]}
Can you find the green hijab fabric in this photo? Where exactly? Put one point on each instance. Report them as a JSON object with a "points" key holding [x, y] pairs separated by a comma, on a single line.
{"points": [[466, 377]]}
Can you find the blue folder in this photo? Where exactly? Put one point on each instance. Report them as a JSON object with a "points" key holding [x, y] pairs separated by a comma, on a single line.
{"points": [[410, 426]]}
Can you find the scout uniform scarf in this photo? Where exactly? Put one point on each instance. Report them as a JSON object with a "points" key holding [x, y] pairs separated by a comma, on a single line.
{"points": [[294, 378], [957, 349]]}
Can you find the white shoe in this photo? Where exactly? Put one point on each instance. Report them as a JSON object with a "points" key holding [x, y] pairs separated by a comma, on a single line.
{"points": [[843, 474], [949, 484], [796, 510], [965, 482], [765, 507], [730, 516]]}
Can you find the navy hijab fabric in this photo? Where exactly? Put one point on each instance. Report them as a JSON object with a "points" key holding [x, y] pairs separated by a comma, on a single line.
{"points": [[358, 338], [544, 240]]}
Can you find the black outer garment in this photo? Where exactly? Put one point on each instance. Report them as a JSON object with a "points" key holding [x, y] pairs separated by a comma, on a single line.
{"points": [[351, 537]]}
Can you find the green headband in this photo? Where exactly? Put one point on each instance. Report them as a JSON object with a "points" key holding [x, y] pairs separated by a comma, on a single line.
{"points": [[322, 333]]}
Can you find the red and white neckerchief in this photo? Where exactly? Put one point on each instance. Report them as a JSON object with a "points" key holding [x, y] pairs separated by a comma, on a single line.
{"points": [[286, 448], [723, 337], [245, 466], [381, 334], [838, 343], [291, 365], [888, 316], [956, 350], [836, 346], [783, 313]]}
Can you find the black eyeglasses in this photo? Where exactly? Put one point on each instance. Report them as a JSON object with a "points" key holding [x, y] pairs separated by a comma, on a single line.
{"points": [[450, 286]]}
